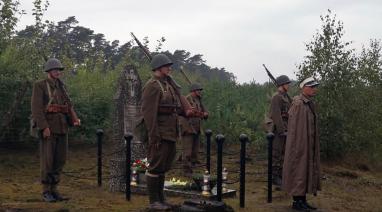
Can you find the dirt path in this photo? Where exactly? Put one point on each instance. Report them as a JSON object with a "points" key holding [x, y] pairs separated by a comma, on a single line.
{"points": [[343, 189]]}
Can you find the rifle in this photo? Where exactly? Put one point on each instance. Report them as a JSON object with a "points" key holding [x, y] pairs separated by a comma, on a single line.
{"points": [[144, 49], [185, 75], [183, 101], [270, 76], [72, 117]]}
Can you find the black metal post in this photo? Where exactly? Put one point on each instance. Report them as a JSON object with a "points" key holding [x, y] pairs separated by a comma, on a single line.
{"points": [[208, 150], [243, 141], [99, 156], [128, 139], [219, 140], [270, 137]]}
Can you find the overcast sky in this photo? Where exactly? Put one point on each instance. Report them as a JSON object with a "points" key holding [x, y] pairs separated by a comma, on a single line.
{"points": [[238, 35]]}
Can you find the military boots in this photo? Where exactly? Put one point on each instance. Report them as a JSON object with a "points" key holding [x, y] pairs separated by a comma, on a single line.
{"points": [[153, 190]]}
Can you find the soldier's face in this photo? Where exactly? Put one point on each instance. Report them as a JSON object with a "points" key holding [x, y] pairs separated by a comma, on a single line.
{"points": [[310, 91], [286, 87], [165, 70], [198, 93], [54, 74]]}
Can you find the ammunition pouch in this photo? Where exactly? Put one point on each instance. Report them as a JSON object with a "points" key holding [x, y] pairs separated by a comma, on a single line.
{"points": [[55, 108]]}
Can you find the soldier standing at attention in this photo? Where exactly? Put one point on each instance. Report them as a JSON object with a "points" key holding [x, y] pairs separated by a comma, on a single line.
{"points": [[161, 104], [301, 172], [279, 115], [191, 128], [51, 107]]}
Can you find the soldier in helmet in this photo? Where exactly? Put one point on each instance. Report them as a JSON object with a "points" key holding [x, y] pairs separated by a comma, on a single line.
{"points": [[161, 104], [279, 115], [191, 128], [50, 110], [301, 172]]}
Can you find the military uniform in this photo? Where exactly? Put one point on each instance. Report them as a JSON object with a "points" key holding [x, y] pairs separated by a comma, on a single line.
{"points": [[279, 115], [160, 107], [49, 110], [301, 172], [191, 128]]}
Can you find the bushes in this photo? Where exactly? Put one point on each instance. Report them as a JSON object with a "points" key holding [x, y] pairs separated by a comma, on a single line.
{"points": [[92, 95]]}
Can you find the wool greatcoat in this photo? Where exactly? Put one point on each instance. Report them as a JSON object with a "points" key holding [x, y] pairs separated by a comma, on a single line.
{"points": [[301, 170]]}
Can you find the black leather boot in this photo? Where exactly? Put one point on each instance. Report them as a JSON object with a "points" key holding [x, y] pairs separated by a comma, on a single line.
{"points": [[57, 194], [48, 197], [299, 205], [153, 186], [162, 196], [308, 205]]}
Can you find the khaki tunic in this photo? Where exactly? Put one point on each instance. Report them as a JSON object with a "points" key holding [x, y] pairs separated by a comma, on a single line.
{"points": [[57, 122], [192, 125], [278, 113], [53, 150], [301, 172], [161, 122]]}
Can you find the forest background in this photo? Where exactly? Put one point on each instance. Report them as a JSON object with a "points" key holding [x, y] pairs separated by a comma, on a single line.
{"points": [[349, 99]]}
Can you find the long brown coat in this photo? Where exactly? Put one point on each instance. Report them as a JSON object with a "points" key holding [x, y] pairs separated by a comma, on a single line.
{"points": [[301, 171]]}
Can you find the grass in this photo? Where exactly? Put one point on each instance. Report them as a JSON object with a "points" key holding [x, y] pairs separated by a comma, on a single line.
{"points": [[344, 188]]}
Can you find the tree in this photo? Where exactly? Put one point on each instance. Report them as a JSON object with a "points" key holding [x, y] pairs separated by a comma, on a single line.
{"points": [[332, 62]]}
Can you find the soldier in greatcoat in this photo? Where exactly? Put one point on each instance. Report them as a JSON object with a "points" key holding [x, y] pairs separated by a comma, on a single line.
{"points": [[301, 171]]}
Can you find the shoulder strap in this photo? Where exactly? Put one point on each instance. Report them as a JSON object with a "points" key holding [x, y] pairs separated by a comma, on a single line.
{"points": [[160, 85], [50, 94]]}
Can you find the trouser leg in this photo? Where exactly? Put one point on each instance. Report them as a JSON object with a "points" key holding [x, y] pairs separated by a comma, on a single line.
{"points": [[59, 159], [187, 143], [195, 147], [162, 197], [278, 156], [160, 160], [47, 146]]}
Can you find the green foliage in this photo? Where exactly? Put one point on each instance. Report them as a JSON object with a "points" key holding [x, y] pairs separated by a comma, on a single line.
{"points": [[92, 94], [8, 20], [349, 99]]}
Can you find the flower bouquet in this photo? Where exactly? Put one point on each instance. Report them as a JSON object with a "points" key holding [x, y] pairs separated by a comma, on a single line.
{"points": [[140, 165]]}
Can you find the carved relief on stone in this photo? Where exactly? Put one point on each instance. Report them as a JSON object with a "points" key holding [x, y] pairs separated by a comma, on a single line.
{"points": [[127, 115]]}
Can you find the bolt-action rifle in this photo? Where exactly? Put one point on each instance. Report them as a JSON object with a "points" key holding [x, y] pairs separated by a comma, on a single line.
{"points": [[270, 76]]}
